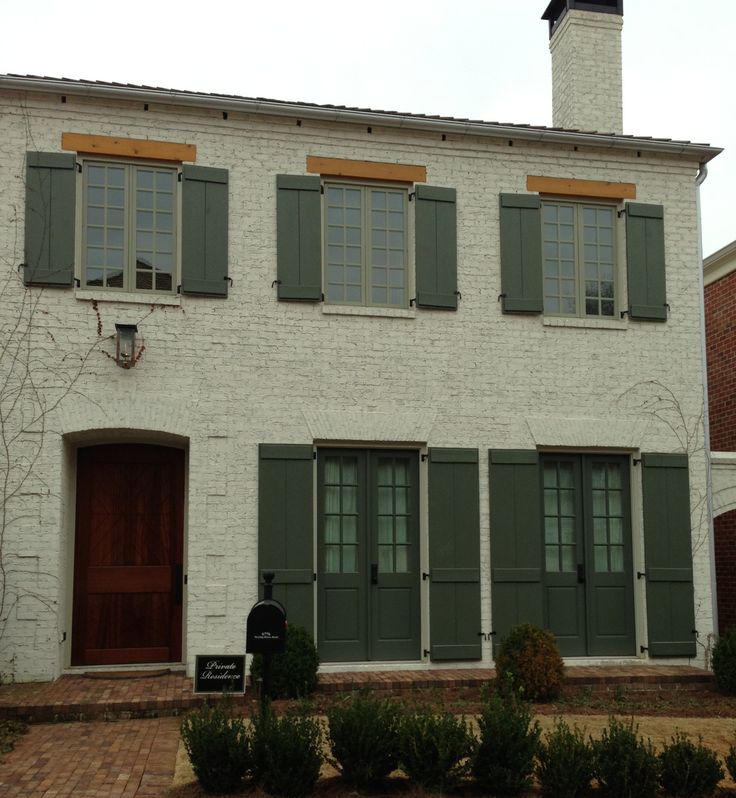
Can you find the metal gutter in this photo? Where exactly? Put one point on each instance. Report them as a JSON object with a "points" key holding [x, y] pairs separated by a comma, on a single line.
{"points": [[703, 152]]}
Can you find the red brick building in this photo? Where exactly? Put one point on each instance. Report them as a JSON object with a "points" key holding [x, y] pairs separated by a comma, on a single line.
{"points": [[720, 329]]}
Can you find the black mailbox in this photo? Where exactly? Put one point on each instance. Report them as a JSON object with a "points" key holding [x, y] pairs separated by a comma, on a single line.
{"points": [[265, 631]]}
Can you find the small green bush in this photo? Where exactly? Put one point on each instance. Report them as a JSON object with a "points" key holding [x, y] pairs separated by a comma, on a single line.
{"points": [[731, 762], [218, 746], [687, 769], [529, 657], [286, 753], [626, 766], [565, 762], [434, 749], [504, 759], [364, 734], [294, 670], [724, 662]]}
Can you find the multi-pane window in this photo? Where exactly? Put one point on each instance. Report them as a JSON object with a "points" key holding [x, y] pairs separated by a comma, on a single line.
{"points": [[560, 510], [129, 226], [341, 514], [394, 515], [365, 245], [579, 259], [608, 521]]}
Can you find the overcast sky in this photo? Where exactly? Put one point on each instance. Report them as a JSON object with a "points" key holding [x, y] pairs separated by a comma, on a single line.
{"points": [[483, 59]]}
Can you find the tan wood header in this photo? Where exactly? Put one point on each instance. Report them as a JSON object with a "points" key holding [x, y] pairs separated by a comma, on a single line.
{"points": [[128, 148], [369, 170], [580, 188]]}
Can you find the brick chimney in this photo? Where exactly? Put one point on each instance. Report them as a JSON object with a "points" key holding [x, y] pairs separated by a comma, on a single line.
{"points": [[585, 43]]}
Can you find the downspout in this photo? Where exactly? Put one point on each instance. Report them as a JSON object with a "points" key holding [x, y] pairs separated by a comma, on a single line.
{"points": [[699, 180]]}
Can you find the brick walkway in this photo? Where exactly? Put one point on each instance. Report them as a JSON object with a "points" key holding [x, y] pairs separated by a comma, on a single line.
{"points": [[132, 752]]}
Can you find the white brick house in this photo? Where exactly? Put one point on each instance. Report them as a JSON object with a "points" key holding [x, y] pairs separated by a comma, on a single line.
{"points": [[440, 376]]}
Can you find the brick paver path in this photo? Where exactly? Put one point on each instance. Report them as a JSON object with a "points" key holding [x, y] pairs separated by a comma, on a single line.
{"points": [[92, 760]]}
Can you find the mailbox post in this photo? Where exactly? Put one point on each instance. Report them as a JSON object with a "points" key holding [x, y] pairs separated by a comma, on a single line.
{"points": [[266, 632]]}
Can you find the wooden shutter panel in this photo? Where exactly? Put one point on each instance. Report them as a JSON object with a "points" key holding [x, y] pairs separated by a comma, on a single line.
{"points": [[285, 535], [516, 541], [668, 552], [49, 227], [299, 237], [645, 266], [454, 554], [436, 247], [204, 267], [521, 253]]}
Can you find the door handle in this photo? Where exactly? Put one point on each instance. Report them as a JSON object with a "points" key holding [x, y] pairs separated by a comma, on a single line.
{"points": [[581, 573], [374, 573]]}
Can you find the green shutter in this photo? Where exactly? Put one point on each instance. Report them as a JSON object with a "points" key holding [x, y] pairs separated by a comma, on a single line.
{"points": [[521, 253], [436, 247], [50, 225], [204, 217], [285, 519], [645, 267], [516, 541], [668, 552], [299, 237], [454, 554]]}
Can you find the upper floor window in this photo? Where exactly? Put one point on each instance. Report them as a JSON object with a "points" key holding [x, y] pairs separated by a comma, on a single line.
{"points": [[579, 260], [129, 226], [365, 247]]}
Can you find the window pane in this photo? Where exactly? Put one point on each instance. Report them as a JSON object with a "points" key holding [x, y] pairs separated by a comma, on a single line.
{"points": [[551, 559], [400, 523], [551, 530], [402, 559], [349, 559], [349, 529], [600, 554], [349, 499], [332, 529], [385, 529], [386, 559], [568, 558], [617, 559], [332, 499]]}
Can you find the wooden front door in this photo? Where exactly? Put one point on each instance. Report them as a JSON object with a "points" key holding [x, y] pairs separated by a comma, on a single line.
{"points": [[128, 555]]}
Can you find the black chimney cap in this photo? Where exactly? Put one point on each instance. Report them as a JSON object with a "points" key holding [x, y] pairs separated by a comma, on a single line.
{"points": [[557, 8]]}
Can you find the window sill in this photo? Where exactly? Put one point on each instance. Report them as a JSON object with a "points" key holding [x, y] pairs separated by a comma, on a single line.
{"points": [[128, 297], [362, 310], [592, 324]]}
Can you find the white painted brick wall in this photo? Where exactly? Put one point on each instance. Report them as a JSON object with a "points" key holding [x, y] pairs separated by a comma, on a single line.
{"points": [[223, 376], [586, 72]]}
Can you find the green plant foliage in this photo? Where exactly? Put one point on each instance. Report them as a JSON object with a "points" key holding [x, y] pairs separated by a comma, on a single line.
{"points": [[565, 762], [529, 657], [293, 671], [509, 741], [434, 749], [730, 761], [218, 746], [626, 766], [286, 753], [364, 734], [688, 769], [724, 662]]}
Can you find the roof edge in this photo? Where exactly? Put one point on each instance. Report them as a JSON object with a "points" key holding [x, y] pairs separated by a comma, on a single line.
{"points": [[701, 152], [720, 264]]}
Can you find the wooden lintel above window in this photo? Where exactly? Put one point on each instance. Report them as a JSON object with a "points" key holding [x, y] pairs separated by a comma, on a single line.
{"points": [[128, 148], [366, 170], [572, 187]]}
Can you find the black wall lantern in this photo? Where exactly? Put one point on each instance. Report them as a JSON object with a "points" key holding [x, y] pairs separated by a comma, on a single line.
{"points": [[126, 351]]}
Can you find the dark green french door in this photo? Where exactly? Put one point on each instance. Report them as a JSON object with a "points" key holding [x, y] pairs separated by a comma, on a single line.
{"points": [[588, 581], [368, 555]]}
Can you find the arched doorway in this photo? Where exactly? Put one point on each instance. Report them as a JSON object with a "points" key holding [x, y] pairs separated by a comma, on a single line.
{"points": [[128, 555]]}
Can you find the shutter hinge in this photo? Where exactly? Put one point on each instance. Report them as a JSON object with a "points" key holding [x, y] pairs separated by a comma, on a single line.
{"points": [[636, 460], [179, 176], [621, 213], [321, 188], [178, 289], [500, 297], [486, 635], [624, 313], [22, 266], [642, 649], [641, 574], [230, 279], [412, 302], [76, 282], [314, 455], [425, 576], [412, 195], [79, 166], [424, 457], [275, 282]]}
